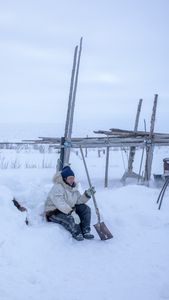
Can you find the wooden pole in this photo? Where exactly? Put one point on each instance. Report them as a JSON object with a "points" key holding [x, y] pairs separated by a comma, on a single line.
{"points": [[142, 155], [150, 146], [129, 172], [63, 150], [70, 93], [75, 89], [73, 105], [86, 149], [60, 162], [133, 149], [107, 167]]}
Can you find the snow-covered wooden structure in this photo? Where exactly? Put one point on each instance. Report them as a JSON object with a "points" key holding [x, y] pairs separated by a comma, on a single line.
{"points": [[132, 139]]}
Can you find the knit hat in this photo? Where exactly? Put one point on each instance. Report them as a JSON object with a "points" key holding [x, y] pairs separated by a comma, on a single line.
{"points": [[66, 172]]}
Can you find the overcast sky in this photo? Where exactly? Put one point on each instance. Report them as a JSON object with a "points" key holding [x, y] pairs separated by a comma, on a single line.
{"points": [[125, 57]]}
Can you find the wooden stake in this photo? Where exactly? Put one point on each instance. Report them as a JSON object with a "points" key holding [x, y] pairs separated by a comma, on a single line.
{"points": [[133, 149], [129, 172], [107, 167], [71, 93], [150, 146], [63, 151], [67, 152]]}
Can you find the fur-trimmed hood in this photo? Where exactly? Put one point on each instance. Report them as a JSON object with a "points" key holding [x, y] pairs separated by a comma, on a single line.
{"points": [[57, 179]]}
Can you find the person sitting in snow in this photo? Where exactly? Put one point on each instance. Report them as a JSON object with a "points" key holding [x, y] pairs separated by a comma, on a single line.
{"points": [[66, 206]]}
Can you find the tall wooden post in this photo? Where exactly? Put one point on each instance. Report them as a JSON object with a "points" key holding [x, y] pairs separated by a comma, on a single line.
{"points": [[63, 149], [86, 149], [150, 147], [72, 107], [107, 167], [129, 172], [61, 159], [133, 149], [71, 93], [66, 140]]}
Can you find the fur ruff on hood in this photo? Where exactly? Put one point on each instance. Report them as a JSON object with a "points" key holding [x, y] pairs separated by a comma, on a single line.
{"points": [[57, 178]]}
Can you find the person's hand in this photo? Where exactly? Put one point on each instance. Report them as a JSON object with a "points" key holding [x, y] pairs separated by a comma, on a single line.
{"points": [[91, 191], [75, 217]]}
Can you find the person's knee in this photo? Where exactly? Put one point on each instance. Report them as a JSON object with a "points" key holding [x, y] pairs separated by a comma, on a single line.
{"points": [[83, 208], [87, 208]]}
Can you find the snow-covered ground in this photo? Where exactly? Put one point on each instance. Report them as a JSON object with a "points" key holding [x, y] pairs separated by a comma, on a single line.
{"points": [[42, 261]]}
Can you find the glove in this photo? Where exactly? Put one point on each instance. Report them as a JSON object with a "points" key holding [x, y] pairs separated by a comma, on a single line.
{"points": [[91, 191], [75, 217]]}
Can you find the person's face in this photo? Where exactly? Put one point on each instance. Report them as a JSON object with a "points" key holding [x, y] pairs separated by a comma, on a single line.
{"points": [[70, 180]]}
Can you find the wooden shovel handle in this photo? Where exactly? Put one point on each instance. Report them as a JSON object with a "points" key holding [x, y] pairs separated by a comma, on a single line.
{"points": [[90, 185]]}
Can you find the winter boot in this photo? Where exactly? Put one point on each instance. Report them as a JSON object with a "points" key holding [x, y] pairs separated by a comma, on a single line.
{"points": [[78, 237], [88, 236]]}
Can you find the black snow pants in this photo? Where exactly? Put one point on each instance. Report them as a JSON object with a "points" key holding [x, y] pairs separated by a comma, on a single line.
{"points": [[67, 221]]}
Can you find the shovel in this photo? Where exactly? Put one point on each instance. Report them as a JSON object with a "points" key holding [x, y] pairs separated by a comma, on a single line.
{"points": [[100, 227]]}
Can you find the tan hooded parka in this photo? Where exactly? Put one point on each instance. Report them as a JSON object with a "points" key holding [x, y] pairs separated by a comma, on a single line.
{"points": [[63, 197]]}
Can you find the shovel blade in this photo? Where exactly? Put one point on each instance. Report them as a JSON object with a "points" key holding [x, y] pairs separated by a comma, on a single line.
{"points": [[103, 231]]}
